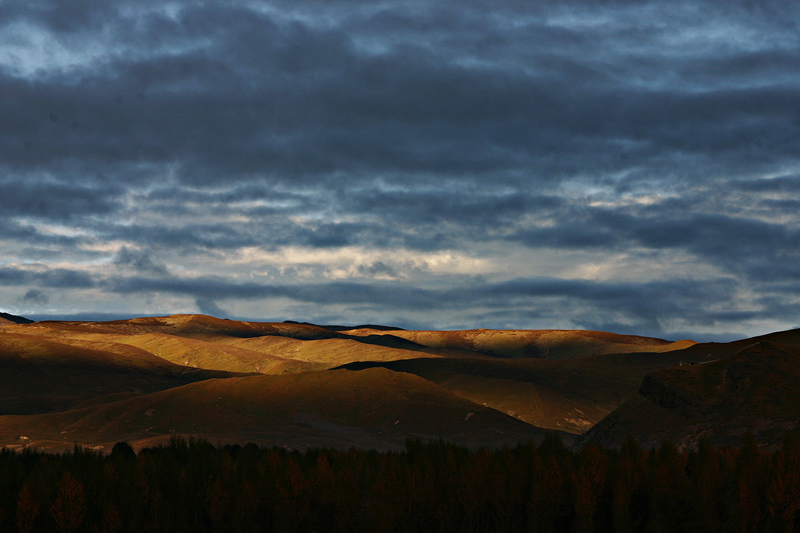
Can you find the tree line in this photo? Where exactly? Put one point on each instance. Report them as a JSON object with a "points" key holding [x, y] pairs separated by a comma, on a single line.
{"points": [[428, 487]]}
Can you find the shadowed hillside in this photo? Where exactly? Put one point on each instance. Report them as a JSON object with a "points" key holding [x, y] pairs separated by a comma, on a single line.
{"points": [[567, 394], [41, 375], [757, 388], [6, 319], [373, 408]]}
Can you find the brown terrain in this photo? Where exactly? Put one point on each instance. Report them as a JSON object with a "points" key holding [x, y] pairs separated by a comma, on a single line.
{"points": [[566, 395], [755, 389], [302, 385], [539, 344], [6, 319], [39, 375], [374, 408]]}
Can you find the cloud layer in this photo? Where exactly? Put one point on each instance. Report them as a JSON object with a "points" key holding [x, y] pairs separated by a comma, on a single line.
{"points": [[624, 166]]}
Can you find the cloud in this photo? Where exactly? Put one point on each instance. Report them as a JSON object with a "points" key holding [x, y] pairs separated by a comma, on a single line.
{"points": [[34, 297], [149, 146], [378, 270], [38, 197], [440, 91], [208, 307], [56, 278], [651, 305], [139, 261]]}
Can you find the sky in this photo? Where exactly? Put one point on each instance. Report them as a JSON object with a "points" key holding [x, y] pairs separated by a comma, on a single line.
{"points": [[620, 166]]}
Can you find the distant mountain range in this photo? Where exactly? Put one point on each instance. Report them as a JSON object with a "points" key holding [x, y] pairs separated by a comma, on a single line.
{"points": [[301, 385]]}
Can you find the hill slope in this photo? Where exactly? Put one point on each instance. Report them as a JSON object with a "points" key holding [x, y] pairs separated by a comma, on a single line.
{"points": [[207, 342], [566, 394], [756, 388], [539, 344], [374, 408], [6, 319], [41, 375]]}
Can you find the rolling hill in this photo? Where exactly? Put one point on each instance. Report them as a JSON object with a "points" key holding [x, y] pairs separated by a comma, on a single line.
{"points": [[553, 379], [210, 343], [524, 344], [274, 339], [374, 408], [565, 394], [41, 375], [6, 319], [288, 383]]}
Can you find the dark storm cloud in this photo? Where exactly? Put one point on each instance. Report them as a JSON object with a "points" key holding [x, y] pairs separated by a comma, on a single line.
{"points": [[57, 278], [708, 235], [472, 207], [140, 261], [271, 233], [780, 184], [215, 288], [31, 235], [164, 132], [208, 307], [645, 302], [50, 198], [251, 198], [224, 90], [738, 241], [378, 269], [36, 297], [649, 308]]}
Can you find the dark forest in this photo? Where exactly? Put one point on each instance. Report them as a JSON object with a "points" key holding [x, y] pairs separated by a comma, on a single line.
{"points": [[428, 487]]}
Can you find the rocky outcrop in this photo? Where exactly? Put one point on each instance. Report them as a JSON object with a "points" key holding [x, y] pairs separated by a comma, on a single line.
{"points": [[666, 395]]}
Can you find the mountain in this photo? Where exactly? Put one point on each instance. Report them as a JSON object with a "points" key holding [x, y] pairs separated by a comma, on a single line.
{"points": [[756, 388], [374, 408], [6, 319]]}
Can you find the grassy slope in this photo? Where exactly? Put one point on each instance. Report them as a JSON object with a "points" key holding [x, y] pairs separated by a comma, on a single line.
{"points": [[40, 375], [210, 343], [374, 408], [569, 394], [202, 354], [540, 344]]}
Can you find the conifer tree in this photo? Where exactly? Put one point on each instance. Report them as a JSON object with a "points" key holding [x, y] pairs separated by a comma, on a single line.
{"points": [[27, 511], [69, 508]]}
